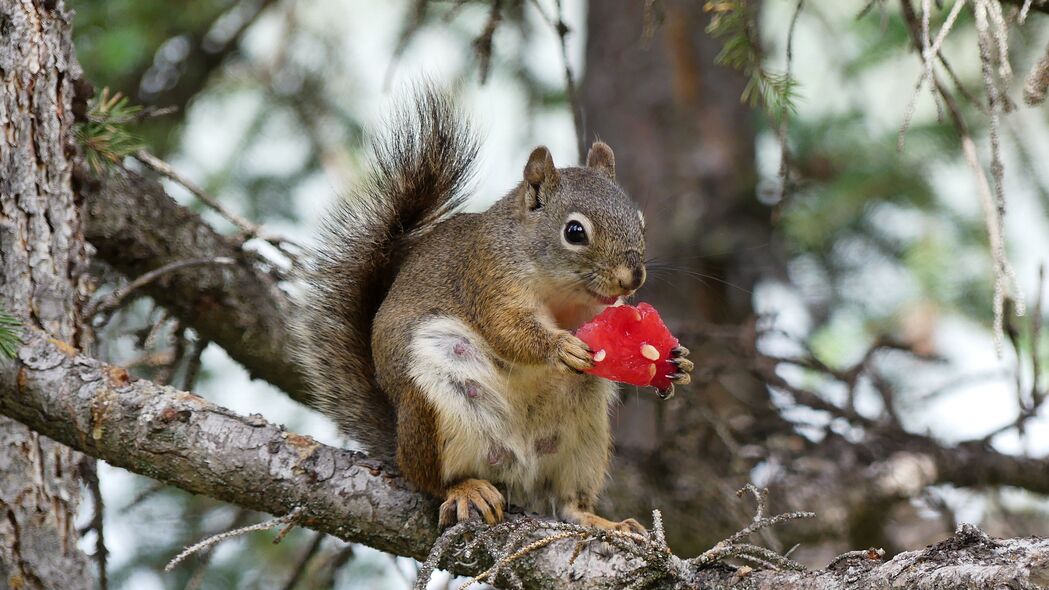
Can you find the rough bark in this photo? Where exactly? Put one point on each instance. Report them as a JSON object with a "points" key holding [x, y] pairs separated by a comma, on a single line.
{"points": [[136, 227], [41, 260], [183, 440]]}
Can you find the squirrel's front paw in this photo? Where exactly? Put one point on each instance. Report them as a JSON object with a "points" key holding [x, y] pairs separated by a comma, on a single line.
{"points": [[683, 373], [573, 352]]}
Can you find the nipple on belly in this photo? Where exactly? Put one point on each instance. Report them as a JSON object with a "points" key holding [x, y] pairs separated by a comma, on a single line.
{"points": [[546, 446], [499, 456]]}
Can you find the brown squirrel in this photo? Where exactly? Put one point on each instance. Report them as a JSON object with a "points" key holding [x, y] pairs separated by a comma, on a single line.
{"points": [[441, 338]]}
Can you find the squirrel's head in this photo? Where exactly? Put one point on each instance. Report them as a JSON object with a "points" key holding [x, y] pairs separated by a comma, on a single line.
{"points": [[585, 232]]}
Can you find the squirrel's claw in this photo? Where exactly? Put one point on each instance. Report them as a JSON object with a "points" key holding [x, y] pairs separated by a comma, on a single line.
{"points": [[683, 364], [475, 494], [574, 353], [680, 378], [683, 374]]}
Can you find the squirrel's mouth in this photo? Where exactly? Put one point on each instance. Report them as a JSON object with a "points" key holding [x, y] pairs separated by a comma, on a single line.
{"points": [[604, 299]]}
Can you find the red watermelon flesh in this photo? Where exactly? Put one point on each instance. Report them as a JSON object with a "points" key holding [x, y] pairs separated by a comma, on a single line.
{"points": [[623, 338]]}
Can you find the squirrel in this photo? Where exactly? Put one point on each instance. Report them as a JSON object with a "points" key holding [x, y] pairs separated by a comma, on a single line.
{"points": [[440, 339]]}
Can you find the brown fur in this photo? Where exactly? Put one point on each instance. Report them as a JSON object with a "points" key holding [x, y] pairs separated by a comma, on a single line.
{"points": [[421, 167], [478, 269], [418, 441]]}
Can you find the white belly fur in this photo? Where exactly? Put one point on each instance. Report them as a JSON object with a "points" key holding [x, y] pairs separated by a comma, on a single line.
{"points": [[542, 433]]}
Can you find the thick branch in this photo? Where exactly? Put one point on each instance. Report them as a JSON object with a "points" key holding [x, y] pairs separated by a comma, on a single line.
{"points": [[137, 228], [181, 439], [969, 464]]}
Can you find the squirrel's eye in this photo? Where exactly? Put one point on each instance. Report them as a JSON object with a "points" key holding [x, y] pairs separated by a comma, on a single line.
{"points": [[575, 234]]}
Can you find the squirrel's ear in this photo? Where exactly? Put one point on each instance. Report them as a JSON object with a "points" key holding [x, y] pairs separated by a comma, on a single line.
{"points": [[601, 158], [539, 172]]}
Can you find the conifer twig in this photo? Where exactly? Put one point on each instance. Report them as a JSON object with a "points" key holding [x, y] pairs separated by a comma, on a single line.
{"points": [[782, 128]]}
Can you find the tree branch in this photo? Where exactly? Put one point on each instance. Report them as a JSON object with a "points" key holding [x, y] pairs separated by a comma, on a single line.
{"points": [[137, 228], [181, 439]]}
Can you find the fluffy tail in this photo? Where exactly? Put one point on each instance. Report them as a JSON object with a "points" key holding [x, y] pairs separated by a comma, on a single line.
{"points": [[422, 166]]}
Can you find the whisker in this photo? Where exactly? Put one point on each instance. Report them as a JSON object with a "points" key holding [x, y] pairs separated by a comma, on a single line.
{"points": [[654, 273], [660, 208], [663, 280], [713, 254]]}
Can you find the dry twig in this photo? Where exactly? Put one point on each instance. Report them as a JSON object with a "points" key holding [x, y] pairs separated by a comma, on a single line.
{"points": [[247, 228], [733, 547], [89, 473], [115, 298], [288, 520], [196, 579], [561, 29]]}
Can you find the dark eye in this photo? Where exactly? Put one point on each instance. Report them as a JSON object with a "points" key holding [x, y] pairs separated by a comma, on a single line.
{"points": [[575, 234]]}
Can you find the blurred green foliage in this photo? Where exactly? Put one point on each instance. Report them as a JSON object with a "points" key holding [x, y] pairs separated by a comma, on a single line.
{"points": [[117, 39]]}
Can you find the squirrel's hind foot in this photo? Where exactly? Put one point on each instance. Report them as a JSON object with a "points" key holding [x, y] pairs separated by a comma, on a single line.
{"points": [[624, 526], [468, 498]]}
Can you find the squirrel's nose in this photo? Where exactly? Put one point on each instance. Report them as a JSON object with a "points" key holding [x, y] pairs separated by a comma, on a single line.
{"points": [[630, 279]]}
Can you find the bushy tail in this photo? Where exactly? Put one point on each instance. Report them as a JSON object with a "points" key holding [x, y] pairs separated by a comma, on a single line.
{"points": [[422, 166]]}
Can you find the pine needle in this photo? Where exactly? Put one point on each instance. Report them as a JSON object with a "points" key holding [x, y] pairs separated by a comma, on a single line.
{"points": [[104, 135], [734, 22], [10, 334]]}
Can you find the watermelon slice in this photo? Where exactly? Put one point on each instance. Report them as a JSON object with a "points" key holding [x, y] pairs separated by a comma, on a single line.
{"points": [[631, 345]]}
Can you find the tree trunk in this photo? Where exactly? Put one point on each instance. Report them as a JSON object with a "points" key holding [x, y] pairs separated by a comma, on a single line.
{"points": [[684, 148], [41, 262]]}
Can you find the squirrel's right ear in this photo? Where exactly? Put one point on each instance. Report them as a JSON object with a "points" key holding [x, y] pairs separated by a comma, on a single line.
{"points": [[601, 158], [539, 172]]}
